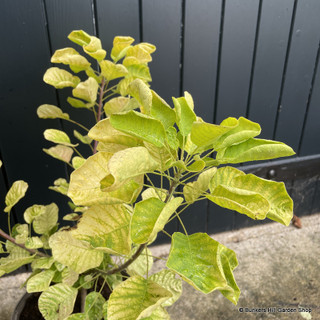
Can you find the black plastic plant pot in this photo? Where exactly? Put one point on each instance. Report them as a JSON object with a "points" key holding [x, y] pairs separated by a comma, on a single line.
{"points": [[27, 308]]}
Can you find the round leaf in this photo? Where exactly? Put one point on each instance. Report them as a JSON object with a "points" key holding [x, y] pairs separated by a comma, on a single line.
{"points": [[15, 193], [76, 254], [105, 227], [87, 90], [135, 298], [57, 301], [57, 136], [84, 188], [60, 78], [71, 57], [48, 111], [204, 263]]}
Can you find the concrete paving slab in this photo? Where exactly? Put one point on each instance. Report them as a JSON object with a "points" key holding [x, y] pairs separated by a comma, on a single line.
{"points": [[278, 273]]}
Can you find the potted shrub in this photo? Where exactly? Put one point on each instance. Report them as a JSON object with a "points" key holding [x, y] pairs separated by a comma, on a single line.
{"points": [[104, 258]]}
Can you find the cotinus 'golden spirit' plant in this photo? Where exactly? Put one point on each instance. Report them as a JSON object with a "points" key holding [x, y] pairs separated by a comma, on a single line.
{"points": [[117, 206]]}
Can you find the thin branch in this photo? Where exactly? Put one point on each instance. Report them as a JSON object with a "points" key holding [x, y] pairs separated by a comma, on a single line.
{"points": [[126, 264], [98, 116], [22, 246]]}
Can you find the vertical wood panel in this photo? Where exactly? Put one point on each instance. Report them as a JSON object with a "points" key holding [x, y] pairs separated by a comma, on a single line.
{"points": [[239, 30], [161, 27], [303, 51], [64, 17], [270, 57], [22, 90], [201, 44], [3, 192], [310, 142], [117, 18]]}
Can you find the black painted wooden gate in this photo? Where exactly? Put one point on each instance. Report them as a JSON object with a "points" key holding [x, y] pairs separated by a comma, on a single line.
{"points": [[250, 58]]}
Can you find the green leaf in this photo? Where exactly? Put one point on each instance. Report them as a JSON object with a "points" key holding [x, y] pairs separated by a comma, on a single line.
{"points": [[71, 217], [80, 137], [162, 155], [167, 279], [104, 132], [142, 265], [150, 216], [71, 57], [141, 92], [193, 190], [140, 126], [142, 52], [158, 314], [57, 302], [162, 111], [79, 37], [46, 220], [60, 78], [139, 71], [253, 150], [135, 298], [57, 136], [76, 103], [48, 111], [123, 84], [116, 105], [120, 47], [17, 258], [87, 90], [247, 202], [20, 232], [42, 263], [189, 100], [84, 188], [60, 152], [15, 193], [60, 185], [33, 243], [69, 277], [197, 165], [94, 49], [111, 70], [91, 45], [105, 227], [40, 282], [224, 176], [77, 316], [205, 134], [280, 203], [77, 162], [244, 130], [185, 115], [204, 263], [127, 164], [172, 139], [94, 305], [154, 193], [73, 253]]}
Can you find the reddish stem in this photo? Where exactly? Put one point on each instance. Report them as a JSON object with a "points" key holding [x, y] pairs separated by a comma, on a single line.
{"points": [[9, 238], [99, 110]]}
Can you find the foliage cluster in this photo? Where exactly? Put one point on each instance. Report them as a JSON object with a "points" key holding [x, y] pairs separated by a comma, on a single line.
{"points": [[118, 208]]}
